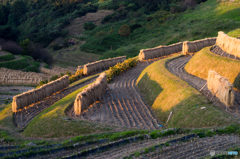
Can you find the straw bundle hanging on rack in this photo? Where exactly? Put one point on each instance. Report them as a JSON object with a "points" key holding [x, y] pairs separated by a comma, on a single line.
{"points": [[195, 46], [221, 87], [228, 44], [90, 94], [159, 51], [27, 98], [102, 64]]}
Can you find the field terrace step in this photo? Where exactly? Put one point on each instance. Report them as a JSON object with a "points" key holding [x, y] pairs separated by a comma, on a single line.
{"points": [[176, 66], [122, 105], [194, 149]]}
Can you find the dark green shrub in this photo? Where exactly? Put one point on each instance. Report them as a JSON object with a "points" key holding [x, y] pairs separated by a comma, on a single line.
{"points": [[56, 47], [89, 26], [68, 73], [16, 64], [46, 66], [7, 57], [54, 78]]}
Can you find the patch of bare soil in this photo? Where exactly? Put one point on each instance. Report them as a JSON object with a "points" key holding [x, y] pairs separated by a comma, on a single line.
{"points": [[76, 25]]}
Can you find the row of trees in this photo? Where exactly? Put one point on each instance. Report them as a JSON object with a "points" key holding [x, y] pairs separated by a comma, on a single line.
{"points": [[41, 21]]}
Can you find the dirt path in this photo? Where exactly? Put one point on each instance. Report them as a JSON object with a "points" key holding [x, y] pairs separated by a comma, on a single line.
{"points": [[177, 67], [122, 105]]}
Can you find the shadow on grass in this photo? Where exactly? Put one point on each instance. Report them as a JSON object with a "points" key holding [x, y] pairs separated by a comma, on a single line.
{"points": [[236, 82], [153, 89]]}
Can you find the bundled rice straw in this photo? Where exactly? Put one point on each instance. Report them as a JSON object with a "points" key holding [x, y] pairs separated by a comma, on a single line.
{"points": [[195, 46], [102, 64], [159, 51], [27, 98], [228, 44], [90, 94], [221, 87]]}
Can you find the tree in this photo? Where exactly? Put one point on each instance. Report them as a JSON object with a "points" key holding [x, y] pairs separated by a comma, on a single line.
{"points": [[100, 35], [4, 12], [89, 26], [27, 47], [18, 9], [124, 30]]}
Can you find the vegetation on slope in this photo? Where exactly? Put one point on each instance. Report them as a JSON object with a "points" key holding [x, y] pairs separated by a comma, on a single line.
{"points": [[234, 33], [25, 63], [205, 60], [7, 57], [165, 92], [162, 27]]}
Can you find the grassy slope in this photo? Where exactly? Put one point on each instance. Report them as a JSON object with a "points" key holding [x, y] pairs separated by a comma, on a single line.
{"points": [[204, 21], [66, 57], [7, 57], [205, 60], [234, 33], [50, 123], [165, 92]]}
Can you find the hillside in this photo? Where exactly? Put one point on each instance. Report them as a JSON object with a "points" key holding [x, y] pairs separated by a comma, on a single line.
{"points": [[154, 105], [148, 31], [76, 26]]}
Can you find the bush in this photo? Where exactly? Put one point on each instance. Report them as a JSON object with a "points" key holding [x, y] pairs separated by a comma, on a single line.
{"points": [[42, 83], [120, 67], [11, 47], [124, 30], [33, 68], [16, 64], [56, 47], [7, 57], [79, 73], [89, 26], [46, 66], [54, 77], [68, 73]]}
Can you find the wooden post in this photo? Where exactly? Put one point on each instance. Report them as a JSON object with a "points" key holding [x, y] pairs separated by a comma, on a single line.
{"points": [[169, 116]]}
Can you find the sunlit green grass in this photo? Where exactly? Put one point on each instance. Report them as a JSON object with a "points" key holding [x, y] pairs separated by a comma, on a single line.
{"points": [[165, 92]]}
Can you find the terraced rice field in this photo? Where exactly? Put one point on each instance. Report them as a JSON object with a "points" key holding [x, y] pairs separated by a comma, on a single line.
{"points": [[122, 104], [22, 118], [176, 66], [217, 50], [197, 148]]}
